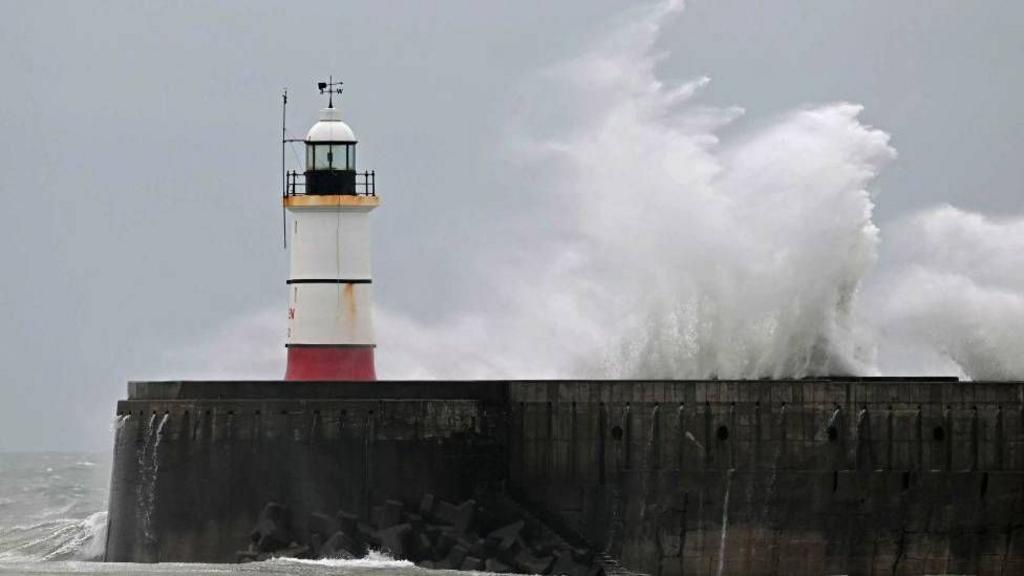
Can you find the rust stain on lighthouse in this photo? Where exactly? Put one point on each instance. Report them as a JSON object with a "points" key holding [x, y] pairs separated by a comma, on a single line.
{"points": [[348, 296]]}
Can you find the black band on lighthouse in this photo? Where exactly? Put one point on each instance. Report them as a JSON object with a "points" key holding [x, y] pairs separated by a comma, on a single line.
{"points": [[331, 281]]}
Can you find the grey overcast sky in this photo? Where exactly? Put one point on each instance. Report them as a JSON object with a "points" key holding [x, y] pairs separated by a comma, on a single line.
{"points": [[140, 155]]}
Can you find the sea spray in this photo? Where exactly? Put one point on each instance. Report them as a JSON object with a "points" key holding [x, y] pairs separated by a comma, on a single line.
{"points": [[949, 295], [661, 250]]}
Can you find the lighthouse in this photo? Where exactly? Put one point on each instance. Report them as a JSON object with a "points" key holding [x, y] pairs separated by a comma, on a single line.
{"points": [[330, 286]]}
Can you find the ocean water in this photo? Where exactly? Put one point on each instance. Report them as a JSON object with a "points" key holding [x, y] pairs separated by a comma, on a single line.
{"points": [[53, 521]]}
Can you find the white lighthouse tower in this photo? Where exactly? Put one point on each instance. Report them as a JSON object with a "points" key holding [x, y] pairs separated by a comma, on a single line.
{"points": [[330, 290]]}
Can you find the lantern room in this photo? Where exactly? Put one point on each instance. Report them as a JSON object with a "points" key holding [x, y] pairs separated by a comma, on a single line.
{"points": [[330, 156]]}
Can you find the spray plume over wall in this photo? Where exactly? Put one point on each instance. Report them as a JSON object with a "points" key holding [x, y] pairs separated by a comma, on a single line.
{"points": [[949, 297], [653, 247], [673, 253]]}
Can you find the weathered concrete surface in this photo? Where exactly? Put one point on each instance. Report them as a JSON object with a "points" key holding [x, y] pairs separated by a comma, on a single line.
{"points": [[856, 476], [775, 477], [190, 489]]}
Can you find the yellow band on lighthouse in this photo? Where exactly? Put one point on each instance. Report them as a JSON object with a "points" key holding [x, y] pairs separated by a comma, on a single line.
{"points": [[317, 200]]}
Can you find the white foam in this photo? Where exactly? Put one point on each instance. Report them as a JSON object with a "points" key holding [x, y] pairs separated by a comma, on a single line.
{"points": [[374, 559]]}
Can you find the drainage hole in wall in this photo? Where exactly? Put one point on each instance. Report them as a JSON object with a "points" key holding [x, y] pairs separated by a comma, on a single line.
{"points": [[939, 434], [833, 433], [617, 432], [723, 432]]}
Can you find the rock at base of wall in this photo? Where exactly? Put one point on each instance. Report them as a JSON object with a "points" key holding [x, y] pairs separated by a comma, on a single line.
{"points": [[395, 540], [434, 534], [273, 530]]}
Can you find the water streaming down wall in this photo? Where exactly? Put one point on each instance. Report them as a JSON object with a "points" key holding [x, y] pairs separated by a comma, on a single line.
{"points": [[668, 477]]}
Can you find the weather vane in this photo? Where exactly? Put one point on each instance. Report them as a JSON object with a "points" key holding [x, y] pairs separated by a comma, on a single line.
{"points": [[330, 88]]}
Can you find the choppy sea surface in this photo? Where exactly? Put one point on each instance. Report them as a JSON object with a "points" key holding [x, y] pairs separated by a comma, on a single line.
{"points": [[53, 521]]}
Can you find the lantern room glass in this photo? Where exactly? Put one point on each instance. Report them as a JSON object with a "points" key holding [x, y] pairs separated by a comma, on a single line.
{"points": [[331, 156]]}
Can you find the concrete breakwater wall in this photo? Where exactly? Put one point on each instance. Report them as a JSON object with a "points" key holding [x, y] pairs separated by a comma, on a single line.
{"points": [[856, 476], [873, 476], [195, 462]]}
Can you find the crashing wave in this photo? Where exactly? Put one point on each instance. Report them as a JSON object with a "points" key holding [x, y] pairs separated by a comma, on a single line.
{"points": [[58, 539]]}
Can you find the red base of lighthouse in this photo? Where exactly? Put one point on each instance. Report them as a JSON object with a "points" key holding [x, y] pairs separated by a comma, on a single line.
{"points": [[330, 363]]}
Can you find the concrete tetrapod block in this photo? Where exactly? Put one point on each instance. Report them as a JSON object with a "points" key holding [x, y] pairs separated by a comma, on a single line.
{"points": [[387, 514], [566, 565], [446, 539], [496, 566], [422, 546], [583, 555], [455, 558], [472, 563], [506, 535], [464, 516], [273, 529], [322, 525], [460, 517], [367, 535], [478, 547], [333, 547], [395, 540], [530, 564], [415, 519], [347, 522], [427, 505], [316, 543], [444, 512], [343, 546], [469, 542]]}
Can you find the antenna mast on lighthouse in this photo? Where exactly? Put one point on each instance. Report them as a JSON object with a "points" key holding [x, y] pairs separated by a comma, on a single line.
{"points": [[330, 286], [284, 166]]}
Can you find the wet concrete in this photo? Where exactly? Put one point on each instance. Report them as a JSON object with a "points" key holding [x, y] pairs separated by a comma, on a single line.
{"points": [[855, 476]]}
